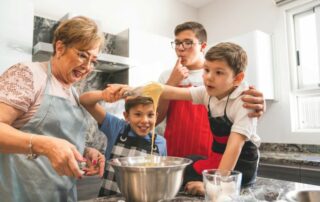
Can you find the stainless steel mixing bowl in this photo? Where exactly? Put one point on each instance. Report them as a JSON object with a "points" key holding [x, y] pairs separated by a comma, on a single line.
{"points": [[150, 178]]}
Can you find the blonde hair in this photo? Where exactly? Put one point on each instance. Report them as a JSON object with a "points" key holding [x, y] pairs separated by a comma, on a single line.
{"points": [[231, 53], [80, 32]]}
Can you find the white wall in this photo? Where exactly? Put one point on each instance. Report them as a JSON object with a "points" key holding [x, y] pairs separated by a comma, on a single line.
{"points": [[155, 16], [151, 24], [15, 32], [225, 19]]}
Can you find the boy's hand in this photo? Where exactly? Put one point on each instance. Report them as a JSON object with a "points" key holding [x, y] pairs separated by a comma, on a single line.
{"points": [[194, 188], [253, 99], [178, 73], [114, 92]]}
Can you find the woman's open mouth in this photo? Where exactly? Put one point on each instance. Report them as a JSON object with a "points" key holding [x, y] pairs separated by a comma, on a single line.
{"points": [[77, 74]]}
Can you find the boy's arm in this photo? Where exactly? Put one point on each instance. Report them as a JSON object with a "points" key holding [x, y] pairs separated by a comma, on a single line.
{"points": [[90, 101], [254, 100], [170, 93], [175, 93], [178, 73], [232, 152]]}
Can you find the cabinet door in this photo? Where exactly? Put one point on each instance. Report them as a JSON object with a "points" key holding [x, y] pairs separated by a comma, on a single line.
{"points": [[280, 172], [259, 71], [16, 20], [310, 175], [149, 54]]}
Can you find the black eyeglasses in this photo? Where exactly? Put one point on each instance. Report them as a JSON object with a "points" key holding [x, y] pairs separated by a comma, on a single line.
{"points": [[185, 44]]}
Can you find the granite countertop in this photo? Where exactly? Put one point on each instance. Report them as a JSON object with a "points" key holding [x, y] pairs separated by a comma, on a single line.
{"points": [[263, 190], [292, 154], [308, 159], [266, 189]]}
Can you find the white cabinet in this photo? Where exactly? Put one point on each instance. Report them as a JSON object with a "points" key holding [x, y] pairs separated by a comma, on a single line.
{"points": [[149, 55], [259, 71], [16, 20]]}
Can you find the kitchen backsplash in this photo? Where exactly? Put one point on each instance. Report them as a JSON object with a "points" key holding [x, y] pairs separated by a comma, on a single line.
{"points": [[44, 28]]}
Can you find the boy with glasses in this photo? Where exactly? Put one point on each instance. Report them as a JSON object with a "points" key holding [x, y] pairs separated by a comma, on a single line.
{"points": [[235, 144], [183, 136]]}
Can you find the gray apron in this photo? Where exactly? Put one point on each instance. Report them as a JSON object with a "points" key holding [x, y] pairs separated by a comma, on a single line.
{"points": [[35, 180]]}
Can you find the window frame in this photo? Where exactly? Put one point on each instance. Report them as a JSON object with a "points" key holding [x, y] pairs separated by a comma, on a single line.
{"points": [[296, 91]]}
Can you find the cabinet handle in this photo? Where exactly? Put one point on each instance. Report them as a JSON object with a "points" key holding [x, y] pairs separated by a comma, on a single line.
{"points": [[298, 58]]}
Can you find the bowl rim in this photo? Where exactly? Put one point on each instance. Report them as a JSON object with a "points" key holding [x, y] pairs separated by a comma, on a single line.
{"points": [[184, 163]]}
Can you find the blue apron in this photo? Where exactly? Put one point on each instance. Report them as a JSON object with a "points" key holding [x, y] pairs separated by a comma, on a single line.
{"points": [[35, 180]]}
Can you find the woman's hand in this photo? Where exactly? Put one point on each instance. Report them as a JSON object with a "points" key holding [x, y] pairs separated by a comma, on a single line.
{"points": [[95, 162], [194, 188], [62, 155], [253, 99]]}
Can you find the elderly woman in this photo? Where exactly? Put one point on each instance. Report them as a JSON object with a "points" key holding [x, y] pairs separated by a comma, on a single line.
{"points": [[42, 125]]}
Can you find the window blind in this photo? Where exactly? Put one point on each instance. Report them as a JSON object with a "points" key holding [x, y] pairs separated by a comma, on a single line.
{"points": [[282, 2]]}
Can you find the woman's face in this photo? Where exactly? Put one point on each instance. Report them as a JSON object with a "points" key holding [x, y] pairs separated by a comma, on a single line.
{"points": [[73, 63]]}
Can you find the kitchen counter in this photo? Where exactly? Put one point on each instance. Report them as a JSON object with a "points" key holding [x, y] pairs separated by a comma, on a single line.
{"points": [[291, 162], [263, 190], [293, 158], [301, 155]]}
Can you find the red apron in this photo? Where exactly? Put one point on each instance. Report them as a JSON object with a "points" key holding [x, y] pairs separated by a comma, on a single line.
{"points": [[188, 130]]}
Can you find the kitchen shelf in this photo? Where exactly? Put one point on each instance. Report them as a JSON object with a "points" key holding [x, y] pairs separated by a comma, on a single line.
{"points": [[106, 62]]}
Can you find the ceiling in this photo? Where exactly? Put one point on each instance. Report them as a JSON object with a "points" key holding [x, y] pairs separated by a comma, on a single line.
{"points": [[196, 3]]}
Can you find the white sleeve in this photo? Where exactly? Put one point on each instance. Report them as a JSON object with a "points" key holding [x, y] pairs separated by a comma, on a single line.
{"points": [[198, 94], [242, 123]]}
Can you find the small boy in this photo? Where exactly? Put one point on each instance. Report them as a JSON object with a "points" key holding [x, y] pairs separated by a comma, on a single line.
{"points": [[129, 137], [235, 142]]}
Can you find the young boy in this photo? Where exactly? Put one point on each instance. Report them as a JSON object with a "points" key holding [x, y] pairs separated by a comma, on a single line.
{"points": [[235, 141], [129, 137], [182, 136]]}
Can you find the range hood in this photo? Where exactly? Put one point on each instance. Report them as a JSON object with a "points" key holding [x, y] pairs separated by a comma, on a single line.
{"points": [[42, 51]]}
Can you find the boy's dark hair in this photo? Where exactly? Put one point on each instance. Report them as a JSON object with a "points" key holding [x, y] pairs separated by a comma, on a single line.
{"points": [[231, 53], [139, 100], [196, 27]]}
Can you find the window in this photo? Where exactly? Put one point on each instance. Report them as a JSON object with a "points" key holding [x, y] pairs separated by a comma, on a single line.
{"points": [[304, 45]]}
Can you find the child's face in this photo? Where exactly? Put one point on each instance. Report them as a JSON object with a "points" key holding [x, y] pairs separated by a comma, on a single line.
{"points": [[189, 56], [219, 79], [141, 119]]}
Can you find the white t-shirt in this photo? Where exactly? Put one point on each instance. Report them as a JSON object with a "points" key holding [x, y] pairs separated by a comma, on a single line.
{"points": [[194, 78], [236, 113], [22, 86]]}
